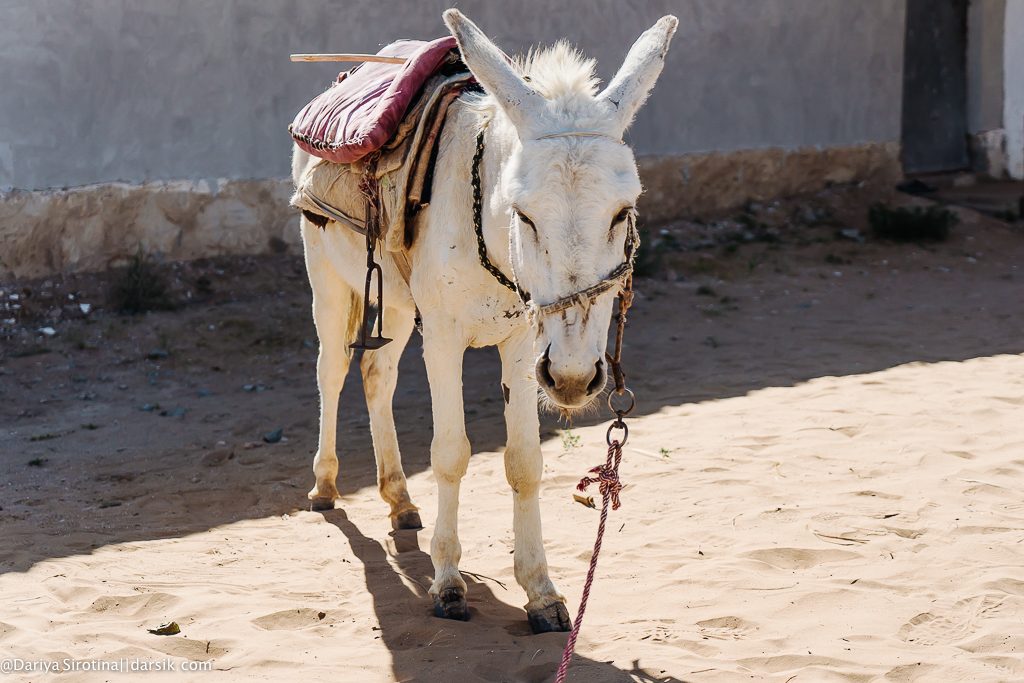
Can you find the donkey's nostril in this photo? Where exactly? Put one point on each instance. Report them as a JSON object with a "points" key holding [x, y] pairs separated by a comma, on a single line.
{"points": [[597, 383], [544, 370]]}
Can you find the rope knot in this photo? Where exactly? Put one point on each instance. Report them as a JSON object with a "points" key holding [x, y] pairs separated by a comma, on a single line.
{"points": [[607, 478]]}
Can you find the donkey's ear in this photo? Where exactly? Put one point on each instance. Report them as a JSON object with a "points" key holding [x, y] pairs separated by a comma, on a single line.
{"points": [[627, 92], [492, 69]]}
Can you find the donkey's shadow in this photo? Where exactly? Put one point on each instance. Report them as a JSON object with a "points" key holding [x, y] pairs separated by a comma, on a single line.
{"points": [[495, 645]]}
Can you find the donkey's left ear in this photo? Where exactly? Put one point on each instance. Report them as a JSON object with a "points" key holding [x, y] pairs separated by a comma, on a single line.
{"points": [[627, 92]]}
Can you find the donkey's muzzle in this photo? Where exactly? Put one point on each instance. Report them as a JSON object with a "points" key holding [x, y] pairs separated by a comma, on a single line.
{"points": [[570, 389]]}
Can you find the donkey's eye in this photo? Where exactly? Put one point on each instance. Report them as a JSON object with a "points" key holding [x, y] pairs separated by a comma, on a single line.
{"points": [[622, 215], [525, 219]]}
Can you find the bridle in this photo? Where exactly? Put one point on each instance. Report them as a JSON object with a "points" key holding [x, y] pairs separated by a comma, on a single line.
{"points": [[620, 277]]}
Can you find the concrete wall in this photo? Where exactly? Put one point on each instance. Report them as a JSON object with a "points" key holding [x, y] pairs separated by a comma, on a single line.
{"points": [[197, 94], [138, 90], [1013, 110], [985, 28]]}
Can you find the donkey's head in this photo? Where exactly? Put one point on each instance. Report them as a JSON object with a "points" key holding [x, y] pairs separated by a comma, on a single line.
{"points": [[570, 187]]}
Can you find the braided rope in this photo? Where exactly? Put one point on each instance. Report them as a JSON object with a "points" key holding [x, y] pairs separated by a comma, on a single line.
{"points": [[478, 223], [609, 485], [584, 297]]}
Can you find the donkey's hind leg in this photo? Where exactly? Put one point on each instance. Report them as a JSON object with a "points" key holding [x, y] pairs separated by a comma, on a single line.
{"points": [[337, 312], [380, 376]]}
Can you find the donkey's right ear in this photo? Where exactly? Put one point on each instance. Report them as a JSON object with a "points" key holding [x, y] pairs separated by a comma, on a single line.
{"points": [[630, 87], [492, 69]]}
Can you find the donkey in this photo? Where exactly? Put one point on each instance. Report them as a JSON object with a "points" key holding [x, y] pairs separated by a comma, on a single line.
{"points": [[555, 190]]}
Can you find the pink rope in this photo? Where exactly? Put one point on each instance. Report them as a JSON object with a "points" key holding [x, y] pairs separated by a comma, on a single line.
{"points": [[609, 485]]}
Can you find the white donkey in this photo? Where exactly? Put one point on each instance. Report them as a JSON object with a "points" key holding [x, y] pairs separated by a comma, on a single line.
{"points": [[557, 190]]}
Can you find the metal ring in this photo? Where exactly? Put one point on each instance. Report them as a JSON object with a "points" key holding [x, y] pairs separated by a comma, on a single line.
{"points": [[618, 424], [624, 411]]}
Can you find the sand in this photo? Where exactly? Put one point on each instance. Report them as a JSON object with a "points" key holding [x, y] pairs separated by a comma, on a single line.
{"points": [[823, 484]]}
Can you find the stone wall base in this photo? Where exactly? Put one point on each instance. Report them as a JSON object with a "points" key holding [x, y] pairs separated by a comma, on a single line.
{"points": [[988, 153], [98, 226], [690, 184]]}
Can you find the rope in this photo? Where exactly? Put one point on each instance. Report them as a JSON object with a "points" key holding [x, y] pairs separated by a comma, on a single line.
{"points": [[607, 479], [478, 222]]}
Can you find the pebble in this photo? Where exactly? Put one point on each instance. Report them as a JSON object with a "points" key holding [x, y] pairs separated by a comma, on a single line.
{"points": [[274, 436], [157, 354], [48, 331], [217, 457], [149, 407]]}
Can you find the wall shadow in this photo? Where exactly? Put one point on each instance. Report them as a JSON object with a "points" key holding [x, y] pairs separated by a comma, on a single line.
{"points": [[677, 352]]}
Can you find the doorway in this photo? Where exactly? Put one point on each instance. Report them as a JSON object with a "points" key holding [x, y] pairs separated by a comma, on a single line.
{"points": [[934, 128]]}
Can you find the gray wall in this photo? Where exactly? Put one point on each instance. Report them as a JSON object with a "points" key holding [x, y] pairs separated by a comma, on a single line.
{"points": [[135, 90], [985, 30]]}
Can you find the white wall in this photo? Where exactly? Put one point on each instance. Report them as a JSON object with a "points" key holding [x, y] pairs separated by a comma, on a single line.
{"points": [[1013, 107]]}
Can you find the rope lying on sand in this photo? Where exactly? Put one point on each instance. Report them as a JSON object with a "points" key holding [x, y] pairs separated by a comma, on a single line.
{"points": [[607, 479]]}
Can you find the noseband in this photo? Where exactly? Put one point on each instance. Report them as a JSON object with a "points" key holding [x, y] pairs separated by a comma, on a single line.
{"points": [[617, 279]]}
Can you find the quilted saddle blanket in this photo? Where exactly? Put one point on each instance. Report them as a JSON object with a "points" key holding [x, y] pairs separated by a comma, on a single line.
{"points": [[379, 126], [364, 107]]}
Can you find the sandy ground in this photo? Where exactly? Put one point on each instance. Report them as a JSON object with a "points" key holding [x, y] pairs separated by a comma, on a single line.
{"points": [[823, 484]]}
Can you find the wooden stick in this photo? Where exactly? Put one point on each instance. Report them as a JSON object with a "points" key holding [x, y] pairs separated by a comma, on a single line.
{"points": [[347, 58]]}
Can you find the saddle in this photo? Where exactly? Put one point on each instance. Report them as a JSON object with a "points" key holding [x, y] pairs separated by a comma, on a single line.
{"points": [[376, 131]]}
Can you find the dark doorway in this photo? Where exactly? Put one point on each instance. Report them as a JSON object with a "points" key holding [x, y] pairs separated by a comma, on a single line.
{"points": [[935, 86]]}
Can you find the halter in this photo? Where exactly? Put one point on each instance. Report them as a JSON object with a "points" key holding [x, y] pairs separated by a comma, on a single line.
{"points": [[581, 134], [618, 278]]}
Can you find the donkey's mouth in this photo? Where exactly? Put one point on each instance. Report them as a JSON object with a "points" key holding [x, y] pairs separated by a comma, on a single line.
{"points": [[568, 409]]}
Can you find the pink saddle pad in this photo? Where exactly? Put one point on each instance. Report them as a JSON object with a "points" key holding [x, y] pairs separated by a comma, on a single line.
{"points": [[363, 109]]}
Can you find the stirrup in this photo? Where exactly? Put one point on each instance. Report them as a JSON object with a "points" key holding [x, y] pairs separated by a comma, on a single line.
{"points": [[365, 342], [368, 186]]}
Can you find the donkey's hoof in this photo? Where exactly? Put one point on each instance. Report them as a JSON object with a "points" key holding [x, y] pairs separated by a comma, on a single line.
{"points": [[553, 618], [321, 504], [410, 519], [451, 604]]}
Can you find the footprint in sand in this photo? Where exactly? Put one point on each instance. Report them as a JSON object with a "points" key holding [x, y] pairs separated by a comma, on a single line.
{"points": [[140, 604], [726, 628], [291, 619], [876, 494], [799, 558], [952, 625]]}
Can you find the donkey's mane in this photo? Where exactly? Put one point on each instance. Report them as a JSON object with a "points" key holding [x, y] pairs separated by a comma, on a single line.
{"points": [[559, 72]]}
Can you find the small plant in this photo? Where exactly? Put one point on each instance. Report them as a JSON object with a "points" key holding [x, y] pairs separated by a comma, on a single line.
{"points": [[569, 440], [665, 452], [44, 437], [141, 287], [913, 224]]}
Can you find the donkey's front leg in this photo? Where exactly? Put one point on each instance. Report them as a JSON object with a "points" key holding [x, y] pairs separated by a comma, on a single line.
{"points": [[523, 468], [443, 350]]}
